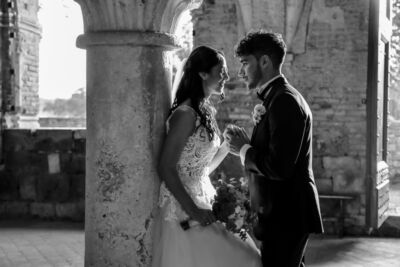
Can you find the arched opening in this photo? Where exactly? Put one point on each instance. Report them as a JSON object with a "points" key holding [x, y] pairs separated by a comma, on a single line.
{"points": [[42, 171], [184, 35], [62, 66]]}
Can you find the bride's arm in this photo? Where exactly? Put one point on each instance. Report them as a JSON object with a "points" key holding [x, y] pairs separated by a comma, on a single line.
{"points": [[219, 156], [182, 125]]}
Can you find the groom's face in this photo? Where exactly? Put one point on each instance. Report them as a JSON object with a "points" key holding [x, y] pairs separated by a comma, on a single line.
{"points": [[250, 71]]}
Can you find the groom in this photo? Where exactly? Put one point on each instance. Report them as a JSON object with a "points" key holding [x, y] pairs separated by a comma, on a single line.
{"points": [[278, 156]]}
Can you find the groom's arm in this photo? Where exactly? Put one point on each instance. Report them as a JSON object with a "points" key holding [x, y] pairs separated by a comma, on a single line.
{"points": [[287, 126]]}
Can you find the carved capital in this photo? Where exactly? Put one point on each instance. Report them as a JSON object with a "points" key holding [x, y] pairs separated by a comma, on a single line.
{"points": [[133, 15], [127, 38]]}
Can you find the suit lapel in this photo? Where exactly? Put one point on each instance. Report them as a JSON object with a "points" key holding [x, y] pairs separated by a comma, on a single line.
{"points": [[274, 86]]}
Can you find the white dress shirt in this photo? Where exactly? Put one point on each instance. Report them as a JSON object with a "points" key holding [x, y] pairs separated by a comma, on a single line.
{"points": [[245, 147]]}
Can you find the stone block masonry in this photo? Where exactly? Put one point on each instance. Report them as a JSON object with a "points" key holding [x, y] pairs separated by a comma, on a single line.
{"points": [[28, 39], [24, 33], [394, 149], [44, 174]]}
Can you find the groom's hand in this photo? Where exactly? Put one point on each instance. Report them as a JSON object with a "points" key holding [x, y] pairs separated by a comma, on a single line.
{"points": [[237, 139]]}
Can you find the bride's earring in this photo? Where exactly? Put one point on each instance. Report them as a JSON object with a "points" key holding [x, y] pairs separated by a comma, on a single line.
{"points": [[221, 97]]}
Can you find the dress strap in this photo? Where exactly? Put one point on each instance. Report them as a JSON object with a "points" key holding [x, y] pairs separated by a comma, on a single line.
{"points": [[188, 109]]}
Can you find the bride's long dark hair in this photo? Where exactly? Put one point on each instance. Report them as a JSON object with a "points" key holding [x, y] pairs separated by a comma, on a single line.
{"points": [[202, 59]]}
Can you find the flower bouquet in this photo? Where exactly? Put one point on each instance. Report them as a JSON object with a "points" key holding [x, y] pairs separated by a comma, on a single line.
{"points": [[231, 205]]}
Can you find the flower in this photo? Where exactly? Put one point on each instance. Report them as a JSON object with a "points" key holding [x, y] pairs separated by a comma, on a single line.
{"points": [[231, 205], [258, 112]]}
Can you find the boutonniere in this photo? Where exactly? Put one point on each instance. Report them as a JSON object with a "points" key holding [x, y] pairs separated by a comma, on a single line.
{"points": [[258, 112]]}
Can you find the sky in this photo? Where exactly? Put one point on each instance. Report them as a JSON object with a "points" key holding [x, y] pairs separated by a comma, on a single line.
{"points": [[62, 66]]}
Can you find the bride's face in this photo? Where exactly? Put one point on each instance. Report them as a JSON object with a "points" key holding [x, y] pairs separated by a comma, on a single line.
{"points": [[214, 81]]}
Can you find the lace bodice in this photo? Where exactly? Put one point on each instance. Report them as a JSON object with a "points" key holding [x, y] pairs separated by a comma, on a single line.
{"points": [[193, 171]]}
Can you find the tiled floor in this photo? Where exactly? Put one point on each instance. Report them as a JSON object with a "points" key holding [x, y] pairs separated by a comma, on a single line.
{"points": [[38, 244], [42, 244]]}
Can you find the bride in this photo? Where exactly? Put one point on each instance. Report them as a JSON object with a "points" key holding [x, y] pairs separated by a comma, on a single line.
{"points": [[192, 149]]}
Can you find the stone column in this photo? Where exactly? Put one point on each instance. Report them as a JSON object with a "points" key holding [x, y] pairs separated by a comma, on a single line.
{"points": [[128, 96]]}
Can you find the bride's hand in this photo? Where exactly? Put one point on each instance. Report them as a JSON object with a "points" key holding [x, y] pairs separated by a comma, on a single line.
{"points": [[229, 131], [203, 216]]}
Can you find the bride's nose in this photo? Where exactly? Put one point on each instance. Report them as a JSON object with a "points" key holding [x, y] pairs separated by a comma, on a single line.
{"points": [[224, 75]]}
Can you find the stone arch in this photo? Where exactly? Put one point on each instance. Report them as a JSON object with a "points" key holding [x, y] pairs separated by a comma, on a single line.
{"points": [[296, 14], [245, 14], [173, 12]]}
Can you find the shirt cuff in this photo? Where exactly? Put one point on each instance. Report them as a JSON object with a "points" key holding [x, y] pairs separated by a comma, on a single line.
{"points": [[243, 152]]}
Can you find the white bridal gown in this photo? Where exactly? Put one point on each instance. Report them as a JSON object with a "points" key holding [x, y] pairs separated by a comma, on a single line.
{"points": [[210, 246]]}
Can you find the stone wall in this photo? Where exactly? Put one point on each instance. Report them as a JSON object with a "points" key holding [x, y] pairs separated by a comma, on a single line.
{"points": [[394, 149], [394, 96], [24, 36], [62, 122], [331, 73], [43, 175], [28, 39]]}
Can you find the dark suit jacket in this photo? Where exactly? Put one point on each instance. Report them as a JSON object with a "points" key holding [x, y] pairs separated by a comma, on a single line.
{"points": [[281, 182]]}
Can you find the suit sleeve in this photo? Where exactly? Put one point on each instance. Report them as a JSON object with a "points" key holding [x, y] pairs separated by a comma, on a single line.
{"points": [[287, 124]]}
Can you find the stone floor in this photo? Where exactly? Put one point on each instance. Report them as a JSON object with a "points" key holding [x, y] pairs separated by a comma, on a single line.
{"points": [[353, 252], [43, 244]]}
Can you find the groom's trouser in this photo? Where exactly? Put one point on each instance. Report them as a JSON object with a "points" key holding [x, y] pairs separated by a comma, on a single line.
{"points": [[283, 249]]}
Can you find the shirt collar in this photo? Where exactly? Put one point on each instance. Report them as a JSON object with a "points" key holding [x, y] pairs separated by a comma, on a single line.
{"points": [[264, 87]]}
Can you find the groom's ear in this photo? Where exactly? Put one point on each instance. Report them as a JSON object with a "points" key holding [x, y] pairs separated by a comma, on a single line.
{"points": [[203, 75], [264, 61]]}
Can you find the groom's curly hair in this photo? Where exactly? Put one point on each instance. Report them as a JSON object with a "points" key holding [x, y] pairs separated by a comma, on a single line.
{"points": [[201, 59], [261, 42]]}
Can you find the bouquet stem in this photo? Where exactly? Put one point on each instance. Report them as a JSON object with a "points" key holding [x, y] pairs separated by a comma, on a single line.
{"points": [[187, 224]]}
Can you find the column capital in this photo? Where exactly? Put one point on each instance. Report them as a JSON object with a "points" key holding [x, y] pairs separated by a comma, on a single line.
{"points": [[127, 38], [133, 15]]}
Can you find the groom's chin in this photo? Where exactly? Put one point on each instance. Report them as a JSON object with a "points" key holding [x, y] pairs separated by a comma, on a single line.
{"points": [[251, 88]]}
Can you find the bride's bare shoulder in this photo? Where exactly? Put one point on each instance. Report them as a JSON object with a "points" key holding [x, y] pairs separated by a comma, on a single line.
{"points": [[183, 116]]}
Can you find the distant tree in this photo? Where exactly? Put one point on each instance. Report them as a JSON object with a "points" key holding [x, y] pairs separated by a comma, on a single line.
{"points": [[72, 107]]}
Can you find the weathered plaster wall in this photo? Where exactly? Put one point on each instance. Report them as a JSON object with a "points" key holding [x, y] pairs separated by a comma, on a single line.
{"points": [[44, 174], [123, 142], [331, 74]]}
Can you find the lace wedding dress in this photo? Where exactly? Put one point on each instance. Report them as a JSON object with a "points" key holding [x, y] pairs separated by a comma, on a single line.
{"points": [[210, 246]]}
